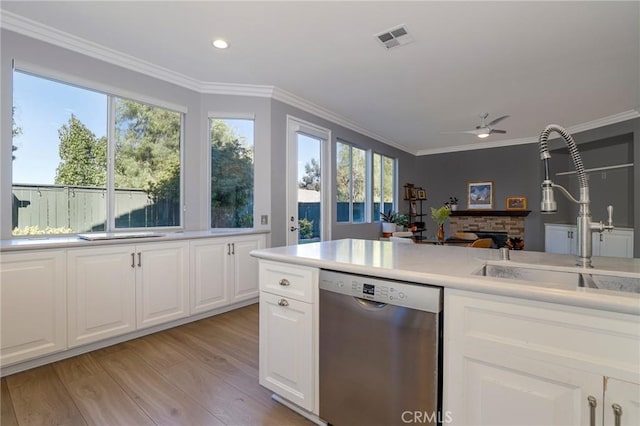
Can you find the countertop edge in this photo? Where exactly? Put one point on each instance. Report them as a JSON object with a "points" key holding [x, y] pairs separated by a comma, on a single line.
{"points": [[51, 243], [603, 300]]}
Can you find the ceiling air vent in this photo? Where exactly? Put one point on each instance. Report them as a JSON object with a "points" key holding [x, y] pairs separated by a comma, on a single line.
{"points": [[397, 36]]}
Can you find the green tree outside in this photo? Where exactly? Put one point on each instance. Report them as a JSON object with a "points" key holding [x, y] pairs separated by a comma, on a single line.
{"points": [[83, 157], [231, 178]]}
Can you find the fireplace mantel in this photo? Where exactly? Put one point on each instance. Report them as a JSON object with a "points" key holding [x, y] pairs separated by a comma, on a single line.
{"points": [[509, 213]]}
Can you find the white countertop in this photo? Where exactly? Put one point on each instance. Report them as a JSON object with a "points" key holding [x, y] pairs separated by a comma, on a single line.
{"points": [[61, 242], [453, 267]]}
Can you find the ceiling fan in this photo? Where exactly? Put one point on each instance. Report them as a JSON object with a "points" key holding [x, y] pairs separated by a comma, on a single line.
{"points": [[485, 129]]}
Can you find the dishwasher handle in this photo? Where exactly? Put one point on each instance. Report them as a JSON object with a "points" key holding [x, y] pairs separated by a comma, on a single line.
{"points": [[370, 305]]}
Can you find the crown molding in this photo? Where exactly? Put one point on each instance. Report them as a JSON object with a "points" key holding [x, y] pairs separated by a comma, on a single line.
{"points": [[47, 34], [590, 125], [305, 105], [236, 89]]}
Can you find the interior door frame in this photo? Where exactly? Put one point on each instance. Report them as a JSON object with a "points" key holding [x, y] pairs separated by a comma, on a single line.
{"points": [[297, 125]]}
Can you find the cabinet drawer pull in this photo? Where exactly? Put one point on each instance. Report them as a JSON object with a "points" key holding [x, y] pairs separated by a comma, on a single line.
{"points": [[283, 302], [133, 260], [617, 414], [593, 403], [284, 282]]}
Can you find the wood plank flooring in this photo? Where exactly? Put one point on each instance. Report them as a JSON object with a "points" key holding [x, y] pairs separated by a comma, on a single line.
{"points": [[202, 373]]}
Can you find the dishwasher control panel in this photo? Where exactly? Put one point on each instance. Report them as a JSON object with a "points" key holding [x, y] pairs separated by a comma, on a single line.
{"points": [[416, 296]]}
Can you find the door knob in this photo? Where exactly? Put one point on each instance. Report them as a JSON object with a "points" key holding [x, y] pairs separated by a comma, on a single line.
{"points": [[293, 228]]}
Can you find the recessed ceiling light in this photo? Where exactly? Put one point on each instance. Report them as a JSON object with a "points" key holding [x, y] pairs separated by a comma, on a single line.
{"points": [[220, 43]]}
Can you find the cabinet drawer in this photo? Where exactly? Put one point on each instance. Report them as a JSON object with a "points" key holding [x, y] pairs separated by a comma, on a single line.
{"points": [[296, 282]]}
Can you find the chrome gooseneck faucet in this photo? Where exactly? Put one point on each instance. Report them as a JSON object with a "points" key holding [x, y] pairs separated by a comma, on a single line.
{"points": [[548, 205]]}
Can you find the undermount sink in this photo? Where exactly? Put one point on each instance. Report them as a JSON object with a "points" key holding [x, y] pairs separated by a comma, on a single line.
{"points": [[577, 279]]}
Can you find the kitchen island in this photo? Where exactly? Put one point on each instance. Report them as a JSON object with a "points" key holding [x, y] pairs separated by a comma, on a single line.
{"points": [[513, 349]]}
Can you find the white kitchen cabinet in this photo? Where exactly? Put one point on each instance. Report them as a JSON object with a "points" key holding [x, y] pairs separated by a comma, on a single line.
{"points": [[118, 289], [614, 243], [553, 364], [245, 267], [563, 239], [223, 272], [33, 305], [623, 399], [162, 283], [560, 239], [288, 332], [101, 293]]}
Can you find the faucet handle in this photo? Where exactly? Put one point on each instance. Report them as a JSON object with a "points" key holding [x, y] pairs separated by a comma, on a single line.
{"points": [[610, 221]]}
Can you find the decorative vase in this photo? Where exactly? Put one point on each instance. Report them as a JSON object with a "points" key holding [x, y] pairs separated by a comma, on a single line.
{"points": [[454, 207], [388, 229], [441, 232]]}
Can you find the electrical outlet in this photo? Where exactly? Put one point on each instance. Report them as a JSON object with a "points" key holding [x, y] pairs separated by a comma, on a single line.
{"points": [[264, 219]]}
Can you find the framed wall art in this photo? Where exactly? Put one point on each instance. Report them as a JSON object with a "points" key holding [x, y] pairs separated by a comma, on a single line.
{"points": [[480, 195], [516, 203]]}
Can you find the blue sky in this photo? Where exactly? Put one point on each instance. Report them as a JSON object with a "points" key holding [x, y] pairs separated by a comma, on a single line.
{"points": [[41, 107]]}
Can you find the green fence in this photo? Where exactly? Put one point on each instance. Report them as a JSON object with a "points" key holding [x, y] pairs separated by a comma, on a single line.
{"points": [[83, 209]]}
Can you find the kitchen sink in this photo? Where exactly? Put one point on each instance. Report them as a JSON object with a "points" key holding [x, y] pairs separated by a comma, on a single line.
{"points": [[571, 278]]}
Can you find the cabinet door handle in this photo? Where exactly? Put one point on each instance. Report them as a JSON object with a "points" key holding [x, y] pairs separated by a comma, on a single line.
{"points": [[283, 302], [284, 282], [601, 238], [228, 249], [233, 248], [133, 260], [139, 259], [593, 403], [617, 414]]}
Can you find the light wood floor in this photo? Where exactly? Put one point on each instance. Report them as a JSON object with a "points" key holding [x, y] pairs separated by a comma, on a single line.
{"points": [[202, 373]]}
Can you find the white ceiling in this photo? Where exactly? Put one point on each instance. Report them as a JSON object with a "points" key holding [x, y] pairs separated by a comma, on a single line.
{"points": [[576, 64]]}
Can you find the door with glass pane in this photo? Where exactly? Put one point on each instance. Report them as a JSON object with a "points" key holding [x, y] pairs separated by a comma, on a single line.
{"points": [[306, 182]]}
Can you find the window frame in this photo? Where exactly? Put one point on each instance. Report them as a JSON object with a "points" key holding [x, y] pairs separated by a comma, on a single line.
{"points": [[212, 115], [394, 184], [368, 188], [111, 93]]}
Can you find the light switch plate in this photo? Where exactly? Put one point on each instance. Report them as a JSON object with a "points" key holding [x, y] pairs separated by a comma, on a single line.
{"points": [[264, 219]]}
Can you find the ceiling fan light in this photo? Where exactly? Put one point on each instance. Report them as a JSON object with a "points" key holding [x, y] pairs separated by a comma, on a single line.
{"points": [[483, 134]]}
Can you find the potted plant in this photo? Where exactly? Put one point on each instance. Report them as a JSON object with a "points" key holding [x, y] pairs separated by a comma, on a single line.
{"points": [[389, 221], [452, 203], [440, 216]]}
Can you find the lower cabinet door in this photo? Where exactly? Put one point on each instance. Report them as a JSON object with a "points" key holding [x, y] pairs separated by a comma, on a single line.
{"points": [[622, 400], [534, 395], [101, 293], [210, 272], [286, 348], [245, 269], [33, 305], [162, 283]]}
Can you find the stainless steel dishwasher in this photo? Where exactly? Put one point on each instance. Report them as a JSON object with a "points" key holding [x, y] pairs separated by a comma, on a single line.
{"points": [[380, 351]]}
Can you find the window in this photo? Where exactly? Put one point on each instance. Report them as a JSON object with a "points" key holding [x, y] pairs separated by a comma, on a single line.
{"points": [[351, 183], [231, 172], [384, 183], [63, 136]]}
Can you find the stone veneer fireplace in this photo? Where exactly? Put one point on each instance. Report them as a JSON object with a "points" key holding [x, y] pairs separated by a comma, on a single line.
{"points": [[509, 221]]}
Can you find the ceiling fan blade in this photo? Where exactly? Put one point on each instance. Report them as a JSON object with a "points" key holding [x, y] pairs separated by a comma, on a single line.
{"points": [[459, 131], [498, 131], [497, 120]]}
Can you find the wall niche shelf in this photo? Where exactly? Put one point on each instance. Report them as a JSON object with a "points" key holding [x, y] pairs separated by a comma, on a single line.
{"points": [[511, 213]]}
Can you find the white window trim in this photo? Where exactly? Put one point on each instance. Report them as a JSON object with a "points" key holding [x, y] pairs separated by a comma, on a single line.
{"points": [[368, 201], [227, 116], [394, 186]]}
